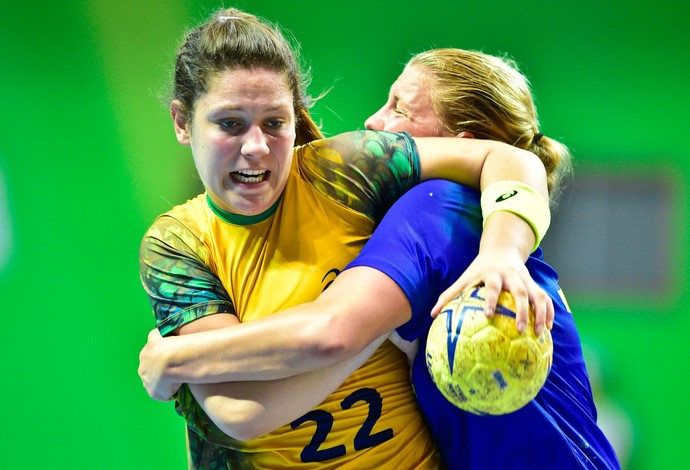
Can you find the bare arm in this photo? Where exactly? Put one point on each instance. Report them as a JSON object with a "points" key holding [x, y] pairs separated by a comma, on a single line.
{"points": [[318, 334], [247, 410], [478, 163]]}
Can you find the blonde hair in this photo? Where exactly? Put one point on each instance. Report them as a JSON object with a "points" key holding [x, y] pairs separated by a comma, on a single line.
{"points": [[233, 39], [488, 96]]}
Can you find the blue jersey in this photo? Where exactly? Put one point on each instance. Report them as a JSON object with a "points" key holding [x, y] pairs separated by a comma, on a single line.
{"points": [[424, 243]]}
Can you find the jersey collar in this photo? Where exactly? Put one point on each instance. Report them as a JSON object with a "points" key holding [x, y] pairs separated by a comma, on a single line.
{"points": [[239, 219]]}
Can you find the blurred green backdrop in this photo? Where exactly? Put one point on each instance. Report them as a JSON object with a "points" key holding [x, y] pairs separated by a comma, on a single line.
{"points": [[90, 158]]}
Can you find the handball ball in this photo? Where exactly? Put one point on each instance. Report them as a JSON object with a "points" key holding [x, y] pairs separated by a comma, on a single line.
{"points": [[483, 365]]}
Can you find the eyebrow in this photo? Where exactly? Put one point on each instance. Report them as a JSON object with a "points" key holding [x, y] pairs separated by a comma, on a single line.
{"points": [[231, 107]]}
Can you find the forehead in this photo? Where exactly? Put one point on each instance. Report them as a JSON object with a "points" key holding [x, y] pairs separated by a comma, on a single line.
{"points": [[412, 87], [246, 86]]}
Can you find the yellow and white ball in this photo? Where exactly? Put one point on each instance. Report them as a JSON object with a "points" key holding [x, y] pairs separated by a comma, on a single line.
{"points": [[483, 365]]}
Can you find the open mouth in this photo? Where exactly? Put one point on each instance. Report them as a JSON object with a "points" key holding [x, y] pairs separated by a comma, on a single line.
{"points": [[249, 176]]}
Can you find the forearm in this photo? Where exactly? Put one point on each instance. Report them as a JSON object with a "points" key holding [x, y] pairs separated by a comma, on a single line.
{"points": [[259, 350], [477, 162], [516, 210], [336, 326], [506, 235], [247, 410]]}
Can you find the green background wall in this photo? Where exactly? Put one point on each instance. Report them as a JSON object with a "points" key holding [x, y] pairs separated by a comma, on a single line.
{"points": [[89, 159]]}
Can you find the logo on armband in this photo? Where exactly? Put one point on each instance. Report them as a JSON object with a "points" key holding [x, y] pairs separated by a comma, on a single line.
{"points": [[507, 195]]}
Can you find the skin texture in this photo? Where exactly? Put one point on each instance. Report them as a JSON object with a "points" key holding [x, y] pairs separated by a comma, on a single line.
{"points": [[242, 134], [409, 108]]}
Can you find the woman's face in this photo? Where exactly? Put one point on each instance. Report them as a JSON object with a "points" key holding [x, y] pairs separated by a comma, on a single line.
{"points": [[242, 134], [409, 107]]}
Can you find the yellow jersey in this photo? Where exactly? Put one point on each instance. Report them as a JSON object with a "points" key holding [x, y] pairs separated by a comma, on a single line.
{"points": [[197, 260]]}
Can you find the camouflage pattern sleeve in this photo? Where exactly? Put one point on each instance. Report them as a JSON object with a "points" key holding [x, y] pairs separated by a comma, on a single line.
{"points": [[180, 286], [364, 170]]}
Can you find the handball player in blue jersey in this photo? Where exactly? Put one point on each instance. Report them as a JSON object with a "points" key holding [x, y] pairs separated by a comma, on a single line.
{"points": [[430, 237], [417, 259], [424, 243]]}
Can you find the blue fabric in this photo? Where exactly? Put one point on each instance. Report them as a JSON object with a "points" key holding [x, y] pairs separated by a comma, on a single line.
{"points": [[424, 243]]}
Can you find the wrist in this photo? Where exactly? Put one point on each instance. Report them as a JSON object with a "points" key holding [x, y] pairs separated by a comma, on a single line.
{"points": [[174, 360], [520, 199], [507, 236]]}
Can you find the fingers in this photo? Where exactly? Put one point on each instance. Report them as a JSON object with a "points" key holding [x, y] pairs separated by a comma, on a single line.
{"points": [[515, 283], [522, 303], [525, 293], [550, 313], [493, 285], [449, 294], [509, 276], [151, 365], [154, 335], [544, 312]]}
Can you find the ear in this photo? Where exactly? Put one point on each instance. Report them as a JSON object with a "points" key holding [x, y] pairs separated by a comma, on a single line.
{"points": [[179, 117], [466, 135]]}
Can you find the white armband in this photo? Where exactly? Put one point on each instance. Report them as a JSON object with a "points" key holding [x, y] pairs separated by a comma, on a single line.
{"points": [[520, 199]]}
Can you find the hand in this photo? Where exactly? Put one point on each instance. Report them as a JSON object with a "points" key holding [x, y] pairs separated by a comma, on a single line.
{"points": [[152, 368], [499, 272]]}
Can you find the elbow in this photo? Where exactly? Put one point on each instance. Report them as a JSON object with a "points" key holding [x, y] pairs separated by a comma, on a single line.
{"points": [[535, 166], [243, 425], [327, 339], [520, 164]]}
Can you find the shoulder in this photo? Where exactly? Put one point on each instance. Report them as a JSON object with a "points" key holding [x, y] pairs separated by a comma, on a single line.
{"points": [[361, 144], [364, 170], [182, 228]]}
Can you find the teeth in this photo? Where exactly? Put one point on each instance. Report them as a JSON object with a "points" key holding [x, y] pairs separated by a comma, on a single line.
{"points": [[249, 176]]}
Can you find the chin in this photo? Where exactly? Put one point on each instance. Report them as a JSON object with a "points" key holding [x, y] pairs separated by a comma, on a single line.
{"points": [[255, 207]]}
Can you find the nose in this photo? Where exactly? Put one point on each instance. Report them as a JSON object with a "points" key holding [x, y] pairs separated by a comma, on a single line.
{"points": [[375, 122], [254, 143]]}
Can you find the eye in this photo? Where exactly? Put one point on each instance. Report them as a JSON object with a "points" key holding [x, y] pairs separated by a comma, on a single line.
{"points": [[229, 124], [399, 107], [275, 123]]}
